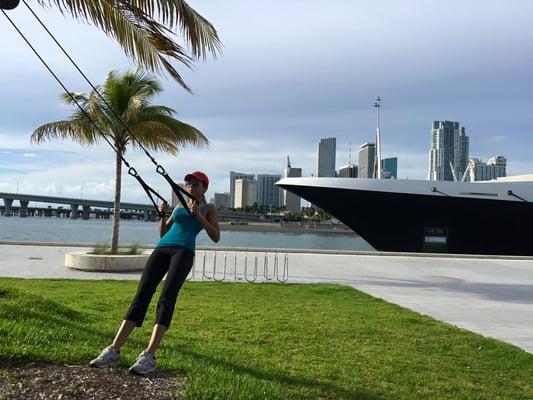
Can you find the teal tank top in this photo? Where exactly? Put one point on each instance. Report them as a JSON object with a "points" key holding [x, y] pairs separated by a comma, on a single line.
{"points": [[183, 231]]}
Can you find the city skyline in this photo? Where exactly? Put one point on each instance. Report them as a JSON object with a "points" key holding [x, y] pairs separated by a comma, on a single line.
{"points": [[266, 96]]}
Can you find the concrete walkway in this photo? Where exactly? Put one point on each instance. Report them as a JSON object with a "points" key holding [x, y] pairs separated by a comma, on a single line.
{"points": [[490, 296]]}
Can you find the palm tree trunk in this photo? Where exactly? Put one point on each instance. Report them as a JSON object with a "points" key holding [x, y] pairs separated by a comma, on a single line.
{"points": [[116, 210]]}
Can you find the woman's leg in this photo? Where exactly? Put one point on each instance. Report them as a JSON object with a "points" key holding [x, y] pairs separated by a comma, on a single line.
{"points": [[123, 332], [157, 335], [180, 266], [154, 271]]}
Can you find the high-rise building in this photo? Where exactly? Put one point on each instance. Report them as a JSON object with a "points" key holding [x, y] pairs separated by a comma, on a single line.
{"points": [[448, 157], [289, 200], [494, 168], [244, 193], [266, 192], [221, 200], [348, 171], [390, 167], [326, 157], [367, 159], [233, 176]]}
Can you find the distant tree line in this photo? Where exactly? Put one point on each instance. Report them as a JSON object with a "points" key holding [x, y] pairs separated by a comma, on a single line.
{"points": [[312, 213]]}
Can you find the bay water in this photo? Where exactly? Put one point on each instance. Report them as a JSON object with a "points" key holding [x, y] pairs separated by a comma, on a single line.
{"points": [[64, 230]]}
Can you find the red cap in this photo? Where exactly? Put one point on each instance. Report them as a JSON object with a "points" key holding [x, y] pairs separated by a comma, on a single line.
{"points": [[199, 176]]}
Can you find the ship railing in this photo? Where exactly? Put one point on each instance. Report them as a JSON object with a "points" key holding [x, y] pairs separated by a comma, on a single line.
{"points": [[240, 266]]}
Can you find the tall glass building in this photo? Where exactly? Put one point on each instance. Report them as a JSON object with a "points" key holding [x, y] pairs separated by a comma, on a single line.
{"points": [[367, 159], [449, 152], [326, 157], [266, 193], [390, 166]]}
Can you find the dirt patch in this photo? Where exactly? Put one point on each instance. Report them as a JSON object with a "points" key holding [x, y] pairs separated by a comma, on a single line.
{"points": [[85, 383]]}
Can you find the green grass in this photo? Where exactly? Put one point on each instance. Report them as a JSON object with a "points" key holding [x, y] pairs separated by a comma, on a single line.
{"points": [[267, 341]]}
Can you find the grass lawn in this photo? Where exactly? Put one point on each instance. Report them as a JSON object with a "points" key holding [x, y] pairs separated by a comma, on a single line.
{"points": [[267, 341]]}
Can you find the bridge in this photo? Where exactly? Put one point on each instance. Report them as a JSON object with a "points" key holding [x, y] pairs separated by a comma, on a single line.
{"points": [[87, 207]]}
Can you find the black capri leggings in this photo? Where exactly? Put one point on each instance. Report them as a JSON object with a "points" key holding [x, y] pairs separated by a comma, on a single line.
{"points": [[178, 262]]}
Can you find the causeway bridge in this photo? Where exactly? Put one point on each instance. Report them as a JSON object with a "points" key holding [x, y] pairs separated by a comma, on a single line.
{"points": [[83, 208], [100, 208]]}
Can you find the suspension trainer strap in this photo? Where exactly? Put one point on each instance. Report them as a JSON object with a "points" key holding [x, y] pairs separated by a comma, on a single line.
{"points": [[177, 189], [149, 191], [131, 171]]}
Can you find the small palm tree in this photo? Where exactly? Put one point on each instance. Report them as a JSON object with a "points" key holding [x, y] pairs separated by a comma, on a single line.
{"points": [[129, 97], [146, 29]]}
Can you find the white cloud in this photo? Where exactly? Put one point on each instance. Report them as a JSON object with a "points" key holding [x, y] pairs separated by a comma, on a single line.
{"points": [[275, 92]]}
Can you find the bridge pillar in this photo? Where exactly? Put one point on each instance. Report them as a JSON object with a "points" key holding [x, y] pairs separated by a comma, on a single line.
{"points": [[86, 212], [152, 216], [24, 208], [73, 211], [147, 216], [7, 203]]}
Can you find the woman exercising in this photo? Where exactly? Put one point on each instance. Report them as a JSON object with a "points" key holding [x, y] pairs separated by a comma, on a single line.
{"points": [[174, 256]]}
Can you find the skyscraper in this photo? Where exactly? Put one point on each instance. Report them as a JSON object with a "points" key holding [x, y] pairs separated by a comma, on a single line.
{"points": [[244, 193], [326, 157], [290, 200], [348, 171], [480, 171], [266, 192], [221, 200], [233, 176], [390, 166], [449, 149], [367, 159]]}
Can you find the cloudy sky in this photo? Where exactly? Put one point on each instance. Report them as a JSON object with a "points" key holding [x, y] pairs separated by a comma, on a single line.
{"points": [[291, 72]]}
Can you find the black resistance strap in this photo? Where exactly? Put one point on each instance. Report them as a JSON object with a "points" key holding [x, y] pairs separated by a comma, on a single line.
{"points": [[131, 171]]}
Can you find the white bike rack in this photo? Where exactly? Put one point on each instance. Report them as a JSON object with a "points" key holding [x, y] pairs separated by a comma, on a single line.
{"points": [[245, 266]]}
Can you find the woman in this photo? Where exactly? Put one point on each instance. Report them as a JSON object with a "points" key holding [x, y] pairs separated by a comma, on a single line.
{"points": [[174, 256]]}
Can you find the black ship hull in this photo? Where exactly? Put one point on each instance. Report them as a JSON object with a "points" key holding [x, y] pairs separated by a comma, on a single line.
{"points": [[409, 222]]}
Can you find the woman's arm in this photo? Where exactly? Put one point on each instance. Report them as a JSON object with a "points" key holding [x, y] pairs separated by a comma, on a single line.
{"points": [[209, 221], [164, 225]]}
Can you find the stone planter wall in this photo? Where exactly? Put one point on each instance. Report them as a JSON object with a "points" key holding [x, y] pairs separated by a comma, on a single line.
{"points": [[103, 263]]}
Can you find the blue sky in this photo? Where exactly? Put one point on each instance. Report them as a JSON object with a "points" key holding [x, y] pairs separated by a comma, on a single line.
{"points": [[290, 73]]}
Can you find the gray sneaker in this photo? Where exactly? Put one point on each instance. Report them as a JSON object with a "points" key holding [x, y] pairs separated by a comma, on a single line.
{"points": [[145, 364], [108, 357]]}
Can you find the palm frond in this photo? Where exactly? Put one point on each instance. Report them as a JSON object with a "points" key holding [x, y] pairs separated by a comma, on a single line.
{"points": [[133, 25], [150, 130], [72, 98], [77, 130], [199, 33]]}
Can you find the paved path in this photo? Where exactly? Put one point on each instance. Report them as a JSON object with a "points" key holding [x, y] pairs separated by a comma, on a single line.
{"points": [[490, 296]]}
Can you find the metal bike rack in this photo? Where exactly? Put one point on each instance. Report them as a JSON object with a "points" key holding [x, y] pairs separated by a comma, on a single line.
{"points": [[265, 269], [254, 275], [285, 275], [249, 263], [215, 266]]}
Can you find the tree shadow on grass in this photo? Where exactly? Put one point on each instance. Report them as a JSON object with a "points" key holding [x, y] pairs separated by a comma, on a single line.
{"points": [[31, 311], [279, 376]]}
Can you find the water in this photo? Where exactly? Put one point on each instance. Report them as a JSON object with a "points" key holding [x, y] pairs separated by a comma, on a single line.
{"points": [[65, 230]]}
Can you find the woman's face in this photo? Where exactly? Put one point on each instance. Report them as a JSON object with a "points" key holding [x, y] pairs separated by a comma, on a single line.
{"points": [[195, 187]]}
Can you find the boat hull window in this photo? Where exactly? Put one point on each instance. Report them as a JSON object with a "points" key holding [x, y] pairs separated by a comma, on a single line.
{"points": [[435, 240]]}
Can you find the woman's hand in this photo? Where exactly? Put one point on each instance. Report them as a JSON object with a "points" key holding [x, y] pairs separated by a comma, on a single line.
{"points": [[163, 207], [195, 209]]}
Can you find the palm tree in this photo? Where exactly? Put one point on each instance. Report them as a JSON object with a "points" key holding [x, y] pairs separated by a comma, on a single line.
{"points": [[129, 97], [145, 30]]}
